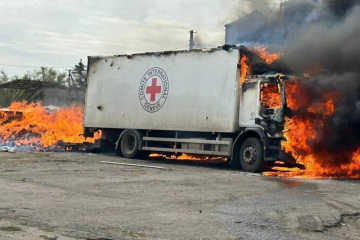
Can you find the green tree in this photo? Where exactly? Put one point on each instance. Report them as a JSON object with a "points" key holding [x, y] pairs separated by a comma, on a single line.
{"points": [[3, 76], [6, 95], [46, 74], [79, 75], [61, 78]]}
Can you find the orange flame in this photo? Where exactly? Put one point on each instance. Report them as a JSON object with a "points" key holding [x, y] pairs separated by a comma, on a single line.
{"points": [[270, 96], [309, 128], [185, 156], [35, 126], [244, 68], [268, 57]]}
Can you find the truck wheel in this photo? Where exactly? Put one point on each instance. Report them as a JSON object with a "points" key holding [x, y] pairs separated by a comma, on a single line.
{"points": [[129, 144], [251, 159]]}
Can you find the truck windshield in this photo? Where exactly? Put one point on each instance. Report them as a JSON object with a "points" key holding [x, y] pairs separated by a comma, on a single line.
{"points": [[270, 96]]}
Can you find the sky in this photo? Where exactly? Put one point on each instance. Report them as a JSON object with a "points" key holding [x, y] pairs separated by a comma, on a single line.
{"points": [[58, 33]]}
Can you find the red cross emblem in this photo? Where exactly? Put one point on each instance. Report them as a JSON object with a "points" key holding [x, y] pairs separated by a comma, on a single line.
{"points": [[153, 89]]}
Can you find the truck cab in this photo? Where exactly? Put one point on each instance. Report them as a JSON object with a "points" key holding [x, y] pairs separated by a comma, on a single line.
{"points": [[262, 110], [262, 104]]}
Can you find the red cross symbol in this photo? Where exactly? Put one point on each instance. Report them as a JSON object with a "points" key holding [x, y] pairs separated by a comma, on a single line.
{"points": [[153, 89]]}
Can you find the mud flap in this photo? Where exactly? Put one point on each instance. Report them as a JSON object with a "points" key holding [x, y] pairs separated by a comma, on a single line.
{"points": [[286, 157]]}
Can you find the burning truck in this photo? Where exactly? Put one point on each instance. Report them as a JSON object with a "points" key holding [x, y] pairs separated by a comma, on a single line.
{"points": [[201, 102]]}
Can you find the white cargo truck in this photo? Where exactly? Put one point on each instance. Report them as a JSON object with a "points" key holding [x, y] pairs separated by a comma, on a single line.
{"points": [[184, 102]]}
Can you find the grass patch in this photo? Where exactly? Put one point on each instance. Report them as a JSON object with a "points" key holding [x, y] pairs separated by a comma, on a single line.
{"points": [[10, 229], [115, 228], [11, 170], [48, 238], [136, 235], [47, 229]]}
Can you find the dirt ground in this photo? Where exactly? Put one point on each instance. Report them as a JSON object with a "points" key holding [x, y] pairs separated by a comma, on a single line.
{"points": [[74, 196]]}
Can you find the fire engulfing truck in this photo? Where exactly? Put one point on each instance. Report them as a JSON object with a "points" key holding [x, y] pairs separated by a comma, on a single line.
{"points": [[186, 102]]}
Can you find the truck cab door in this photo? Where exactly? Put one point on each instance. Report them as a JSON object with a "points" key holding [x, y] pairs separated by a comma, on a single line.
{"points": [[249, 102]]}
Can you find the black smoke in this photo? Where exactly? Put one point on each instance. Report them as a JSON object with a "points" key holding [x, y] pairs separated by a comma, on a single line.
{"points": [[295, 14], [331, 47], [340, 8], [326, 44], [321, 38]]}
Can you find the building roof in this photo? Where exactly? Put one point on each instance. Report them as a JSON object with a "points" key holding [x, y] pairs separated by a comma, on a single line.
{"points": [[254, 17], [30, 84]]}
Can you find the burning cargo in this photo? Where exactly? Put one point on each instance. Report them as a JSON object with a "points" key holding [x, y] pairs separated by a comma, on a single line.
{"points": [[32, 127], [195, 102]]}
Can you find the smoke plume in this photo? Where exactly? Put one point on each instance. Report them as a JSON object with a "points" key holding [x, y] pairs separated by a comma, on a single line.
{"points": [[321, 38], [326, 46]]}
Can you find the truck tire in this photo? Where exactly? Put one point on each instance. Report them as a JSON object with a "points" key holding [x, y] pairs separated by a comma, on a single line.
{"points": [[251, 155], [129, 144]]}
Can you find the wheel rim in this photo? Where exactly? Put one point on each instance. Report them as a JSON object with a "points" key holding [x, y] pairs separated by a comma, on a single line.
{"points": [[250, 154], [130, 144]]}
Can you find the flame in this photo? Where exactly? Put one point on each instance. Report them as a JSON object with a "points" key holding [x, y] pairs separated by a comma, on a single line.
{"points": [[308, 128], [268, 57], [244, 68], [187, 157], [283, 171], [32, 125], [270, 96]]}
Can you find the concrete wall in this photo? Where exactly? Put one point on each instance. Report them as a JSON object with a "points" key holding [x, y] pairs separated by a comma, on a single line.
{"points": [[62, 97]]}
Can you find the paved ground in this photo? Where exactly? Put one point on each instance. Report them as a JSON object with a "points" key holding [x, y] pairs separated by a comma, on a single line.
{"points": [[73, 196]]}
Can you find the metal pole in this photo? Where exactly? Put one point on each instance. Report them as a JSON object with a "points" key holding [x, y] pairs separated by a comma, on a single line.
{"points": [[133, 165], [191, 45]]}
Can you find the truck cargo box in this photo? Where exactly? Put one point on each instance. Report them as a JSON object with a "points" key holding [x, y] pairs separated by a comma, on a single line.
{"points": [[182, 91]]}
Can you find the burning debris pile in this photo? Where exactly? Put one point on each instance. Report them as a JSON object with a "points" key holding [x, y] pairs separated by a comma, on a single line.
{"points": [[31, 127], [322, 126]]}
